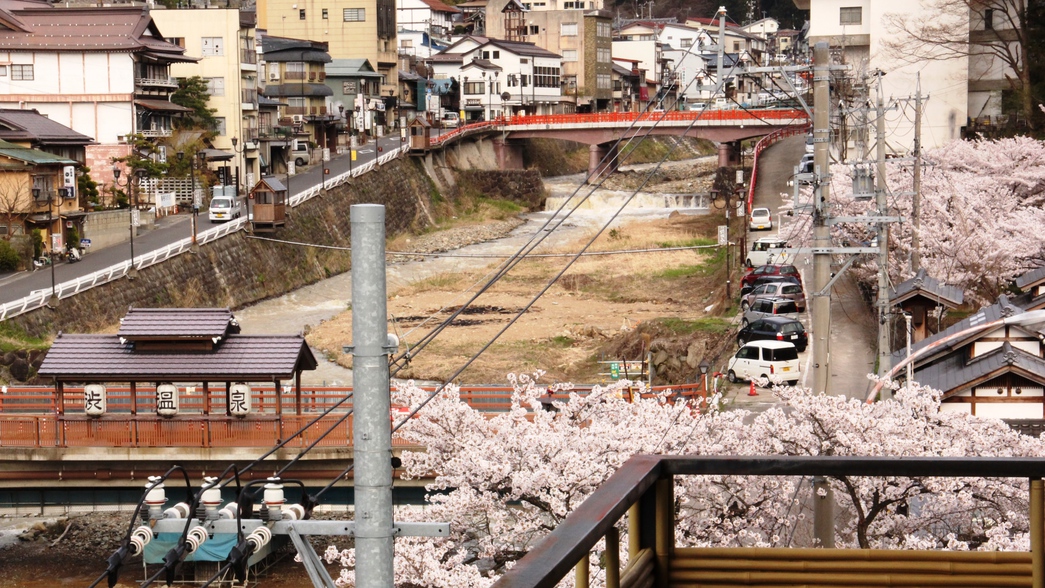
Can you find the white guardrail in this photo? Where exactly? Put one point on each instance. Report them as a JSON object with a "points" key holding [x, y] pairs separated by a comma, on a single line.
{"points": [[39, 298]]}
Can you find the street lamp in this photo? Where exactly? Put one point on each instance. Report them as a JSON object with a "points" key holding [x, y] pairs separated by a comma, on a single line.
{"points": [[139, 173], [704, 367]]}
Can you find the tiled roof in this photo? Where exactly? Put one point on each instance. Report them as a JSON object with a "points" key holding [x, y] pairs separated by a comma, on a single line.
{"points": [[33, 156], [85, 29], [282, 49], [1031, 278], [953, 374], [103, 358], [1003, 308], [18, 124], [922, 284], [272, 182], [439, 6], [523, 48], [177, 323], [161, 105]]}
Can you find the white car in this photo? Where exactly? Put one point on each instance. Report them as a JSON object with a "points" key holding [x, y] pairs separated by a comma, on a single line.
{"points": [[761, 219], [224, 208], [775, 361], [762, 252]]}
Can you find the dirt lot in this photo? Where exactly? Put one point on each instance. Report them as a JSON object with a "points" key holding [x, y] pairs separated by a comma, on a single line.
{"points": [[603, 307]]}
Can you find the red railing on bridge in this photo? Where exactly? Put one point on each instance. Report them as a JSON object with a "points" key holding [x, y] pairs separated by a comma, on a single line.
{"points": [[28, 418], [762, 144]]}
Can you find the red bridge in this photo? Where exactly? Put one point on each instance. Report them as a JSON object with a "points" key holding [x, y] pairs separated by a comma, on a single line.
{"points": [[602, 131]]}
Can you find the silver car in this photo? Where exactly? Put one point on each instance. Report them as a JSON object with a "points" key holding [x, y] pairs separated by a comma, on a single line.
{"points": [[789, 290]]}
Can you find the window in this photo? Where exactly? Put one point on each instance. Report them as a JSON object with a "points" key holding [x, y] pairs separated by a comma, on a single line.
{"points": [[474, 88], [22, 72], [533, 30], [406, 43], [3, 71], [215, 86], [602, 55], [850, 15], [569, 55], [179, 41], [988, 19], [486, 55], [213, 46], [602, 29], [686, 43], [219, 125], [568, 29], [573, 5], [354, 14], [325, 14], [301, 14], [736, 46], [603, 81], [496, 54]]}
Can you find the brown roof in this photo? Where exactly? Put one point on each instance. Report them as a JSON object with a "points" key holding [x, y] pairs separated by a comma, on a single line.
{"points": [[440, 6], [17, 124], [85, 29], [177, 323], [103, 358], [161, 106]]}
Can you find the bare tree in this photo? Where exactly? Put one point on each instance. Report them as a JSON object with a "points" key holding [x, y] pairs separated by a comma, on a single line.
{"points": [[14, 202], [950, 34]]}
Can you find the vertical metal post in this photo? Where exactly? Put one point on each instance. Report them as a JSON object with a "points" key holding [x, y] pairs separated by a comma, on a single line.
{"points": [[821, 304], [884, 339], [372, 429], [665, 531], [613, 558], [823, 513], [1037, 533], [916, 200], [580, 572]]}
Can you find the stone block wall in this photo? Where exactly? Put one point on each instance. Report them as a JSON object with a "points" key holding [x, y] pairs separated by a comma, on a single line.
{"points": [[109, 227], [237, 271]]}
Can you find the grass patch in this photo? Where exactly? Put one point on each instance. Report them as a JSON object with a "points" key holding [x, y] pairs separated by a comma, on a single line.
{"points": [[701, 325], [682, 271], [695, 242], [13, 339], [562, 341]]}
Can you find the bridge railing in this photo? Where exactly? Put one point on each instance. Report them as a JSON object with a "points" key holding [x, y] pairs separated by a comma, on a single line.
{"points": [[28, 416], [761, 146], [40, 298]]}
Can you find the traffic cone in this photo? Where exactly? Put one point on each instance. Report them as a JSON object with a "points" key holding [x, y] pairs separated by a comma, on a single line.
{"points": [[752, 392]]}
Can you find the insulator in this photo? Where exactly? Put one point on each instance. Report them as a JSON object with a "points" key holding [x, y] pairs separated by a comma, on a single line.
{"points": [[274, 493], [178, 511], [195, 538], [140, 538], [229, 512], [294, 512], [155, 497], [260, 537]]}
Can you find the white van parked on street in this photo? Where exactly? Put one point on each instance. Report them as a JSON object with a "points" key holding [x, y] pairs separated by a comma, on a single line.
{"points": [[761, 252], [775, 361]]}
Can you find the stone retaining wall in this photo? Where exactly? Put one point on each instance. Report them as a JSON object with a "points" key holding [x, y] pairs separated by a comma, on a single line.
{"points": [[110, 227], [238, 270]]}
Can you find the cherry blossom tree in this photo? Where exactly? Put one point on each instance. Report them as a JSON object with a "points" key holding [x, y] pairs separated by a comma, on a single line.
{"points": [[504, 481], [981, 215]]}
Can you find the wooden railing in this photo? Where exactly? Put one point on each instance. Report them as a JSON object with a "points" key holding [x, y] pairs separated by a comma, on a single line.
{"points": [[28, 417], [643, 488]]}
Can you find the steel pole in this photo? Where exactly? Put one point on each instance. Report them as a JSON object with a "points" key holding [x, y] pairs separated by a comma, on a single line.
{"points": [[821, 305], [884, 339], [372, 428], [916, 199]]}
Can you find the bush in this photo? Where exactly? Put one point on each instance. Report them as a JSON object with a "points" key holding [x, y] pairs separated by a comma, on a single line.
{"points": [[38, 243], [9, 258]]}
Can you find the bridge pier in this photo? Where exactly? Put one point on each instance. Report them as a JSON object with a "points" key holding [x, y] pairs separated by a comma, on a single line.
{"points": [[509, 154], [602, 159]]}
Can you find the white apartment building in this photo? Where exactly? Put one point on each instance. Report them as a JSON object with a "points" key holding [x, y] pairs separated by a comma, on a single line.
{"points": [[424, 26]]}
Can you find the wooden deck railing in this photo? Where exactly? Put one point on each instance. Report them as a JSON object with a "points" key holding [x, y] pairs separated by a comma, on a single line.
{"points": [[644, 489]]}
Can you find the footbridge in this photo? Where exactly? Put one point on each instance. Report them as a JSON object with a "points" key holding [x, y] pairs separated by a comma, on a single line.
{"points": [[602, 132]]}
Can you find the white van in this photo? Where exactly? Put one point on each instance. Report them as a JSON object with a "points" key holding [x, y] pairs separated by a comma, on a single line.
{"points": [[299, 153], [776, 361], [224, 208], [760, 253]]}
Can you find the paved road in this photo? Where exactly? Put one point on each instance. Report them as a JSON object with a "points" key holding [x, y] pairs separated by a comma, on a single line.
{"points": [[169, 229], [852, 323]]}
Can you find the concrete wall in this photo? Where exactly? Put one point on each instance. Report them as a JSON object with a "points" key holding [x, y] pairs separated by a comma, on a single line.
{"points": [[236, 271], [110, 227]]}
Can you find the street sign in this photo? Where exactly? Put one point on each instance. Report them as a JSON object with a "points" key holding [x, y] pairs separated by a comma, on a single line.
{"points": [[723, 235], [85, 243], [135, 217]]}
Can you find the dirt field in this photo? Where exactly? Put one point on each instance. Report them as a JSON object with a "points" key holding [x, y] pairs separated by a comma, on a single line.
{"points": [[603, 307]]}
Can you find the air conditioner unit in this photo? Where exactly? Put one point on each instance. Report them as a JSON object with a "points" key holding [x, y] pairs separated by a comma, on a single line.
{"points": [[274, 75], [298, 118]]}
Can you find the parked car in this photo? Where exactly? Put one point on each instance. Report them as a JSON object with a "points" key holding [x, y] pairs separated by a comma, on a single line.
{"points": [[450, 120], [810, 146], [775, 328], [761, 219], [770, 270], [224, 208], [760, 253], [775, 361], [775, 287], [299, 152], [761, 308]]}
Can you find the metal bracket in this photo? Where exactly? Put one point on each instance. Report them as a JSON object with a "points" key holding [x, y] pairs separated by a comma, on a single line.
{"points": [[871, 220], [313, 565], [834, 277]]}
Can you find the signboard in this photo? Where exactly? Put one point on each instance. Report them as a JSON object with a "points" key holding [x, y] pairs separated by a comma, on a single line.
{"points": [[350, 87], [290, 168], [56, 242], [164, 200], [740, 176], [69, 176], [85, 243], [135, 218], [723, 235]]}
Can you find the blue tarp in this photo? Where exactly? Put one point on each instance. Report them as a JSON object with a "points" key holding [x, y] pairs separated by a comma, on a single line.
{"points": [[216, 548]]}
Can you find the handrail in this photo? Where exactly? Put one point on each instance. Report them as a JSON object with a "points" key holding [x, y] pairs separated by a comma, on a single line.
{"points": [[40, 298], [762, 144], [571, 541]]}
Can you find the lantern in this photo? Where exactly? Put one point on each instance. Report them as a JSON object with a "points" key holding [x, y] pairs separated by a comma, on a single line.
{"points": [[167, 400], [94, 400], [239, 400]]}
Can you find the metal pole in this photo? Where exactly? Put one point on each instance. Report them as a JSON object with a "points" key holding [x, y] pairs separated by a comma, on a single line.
{"points": [[910, 366], [823, 513], [916, 201], [372, 430], [821, 304], [1037, 534], [50, 246], [884, 340], [134, 205]]}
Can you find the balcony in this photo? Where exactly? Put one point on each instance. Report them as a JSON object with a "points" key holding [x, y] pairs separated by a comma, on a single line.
{"points": [[643, 489], [249, 58], [154, 133], [167, 82], [294, 75]]}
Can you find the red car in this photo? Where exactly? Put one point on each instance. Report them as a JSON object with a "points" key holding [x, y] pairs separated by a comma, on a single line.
{"points": [[770, 270]]}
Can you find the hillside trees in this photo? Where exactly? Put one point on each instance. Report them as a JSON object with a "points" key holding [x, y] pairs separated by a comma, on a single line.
{"points": [[505, 482]]}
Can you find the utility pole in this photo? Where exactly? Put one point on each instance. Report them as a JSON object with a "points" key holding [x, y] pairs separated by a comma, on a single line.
{"points": [[916, 201], [821, 305], [884, 346]]}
